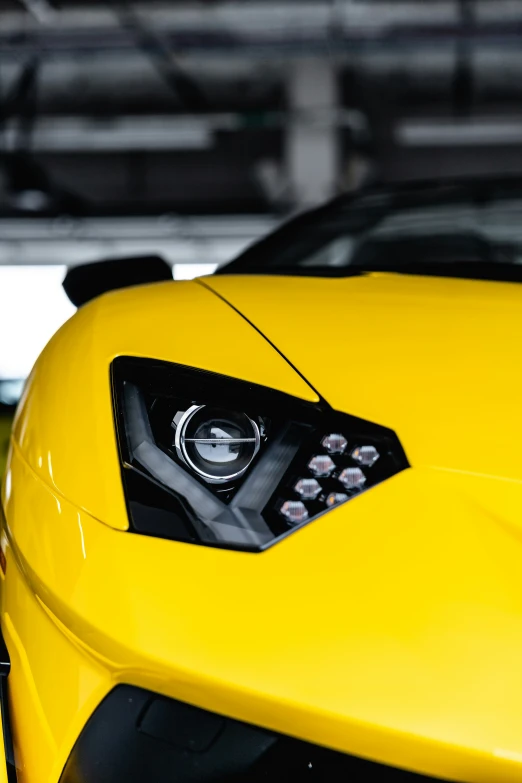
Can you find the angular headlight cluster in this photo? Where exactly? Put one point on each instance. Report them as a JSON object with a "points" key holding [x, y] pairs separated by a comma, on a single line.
{"points": [[212, 460]]}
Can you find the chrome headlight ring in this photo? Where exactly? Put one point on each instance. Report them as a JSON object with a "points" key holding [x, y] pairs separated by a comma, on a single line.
{"points": [[238, 442]]}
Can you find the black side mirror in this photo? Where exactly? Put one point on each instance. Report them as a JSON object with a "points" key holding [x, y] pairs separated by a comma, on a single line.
{"points": [[87, 281]]}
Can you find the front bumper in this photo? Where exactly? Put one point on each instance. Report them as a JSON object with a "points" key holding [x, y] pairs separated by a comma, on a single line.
{"points": [[390, 629]]}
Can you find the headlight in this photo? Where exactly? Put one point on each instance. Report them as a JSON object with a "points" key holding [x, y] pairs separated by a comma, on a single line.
{"points": [[218, 445], [212, 460]]}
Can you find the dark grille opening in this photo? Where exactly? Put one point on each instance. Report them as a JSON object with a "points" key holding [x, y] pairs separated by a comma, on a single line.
{"points": [[138, 737]]}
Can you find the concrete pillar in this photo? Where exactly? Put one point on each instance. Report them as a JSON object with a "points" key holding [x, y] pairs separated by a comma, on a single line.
{"points": [[312, 141]]}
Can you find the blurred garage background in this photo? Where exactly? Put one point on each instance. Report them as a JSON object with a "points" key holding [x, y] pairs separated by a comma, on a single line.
{"points": [[189, 129]]}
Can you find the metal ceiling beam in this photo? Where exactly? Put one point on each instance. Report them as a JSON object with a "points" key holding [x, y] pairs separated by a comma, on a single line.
{"points": [[233, 27], [440, 132], [40, 10], [164, 132], [194, 240], [84, 134]]}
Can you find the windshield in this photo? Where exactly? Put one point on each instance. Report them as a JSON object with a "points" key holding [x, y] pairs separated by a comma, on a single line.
{"points": [[454, 230]]}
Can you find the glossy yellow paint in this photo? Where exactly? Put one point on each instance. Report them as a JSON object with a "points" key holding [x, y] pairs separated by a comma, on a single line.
{"points": [[64, 425], [390, 628], [3, 767], [438, 360], [5, 431]]}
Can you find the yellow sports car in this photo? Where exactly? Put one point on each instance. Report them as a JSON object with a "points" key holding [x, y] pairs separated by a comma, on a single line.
{"points": [[266, 525]]}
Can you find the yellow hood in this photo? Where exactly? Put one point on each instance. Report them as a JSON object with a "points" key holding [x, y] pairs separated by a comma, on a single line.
{"points": [[436, 359]]}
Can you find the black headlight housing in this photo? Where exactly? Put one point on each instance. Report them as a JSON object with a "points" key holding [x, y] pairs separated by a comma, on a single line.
{"points": [[208, 459]]}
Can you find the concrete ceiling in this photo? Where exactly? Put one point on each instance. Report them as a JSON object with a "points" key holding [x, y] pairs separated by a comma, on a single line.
{"points": [[236, 106]]}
